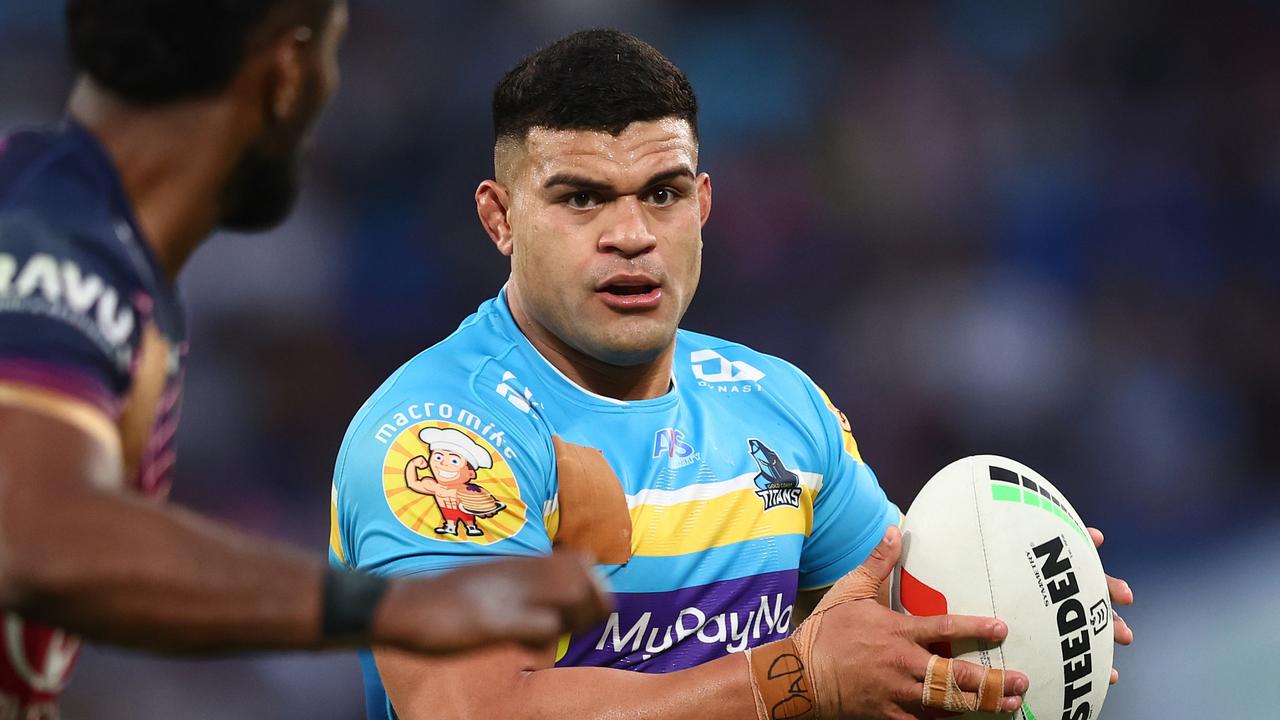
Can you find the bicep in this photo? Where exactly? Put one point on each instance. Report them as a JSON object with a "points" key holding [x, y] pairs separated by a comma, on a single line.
{"points": [[53, 442], [48, 460]]}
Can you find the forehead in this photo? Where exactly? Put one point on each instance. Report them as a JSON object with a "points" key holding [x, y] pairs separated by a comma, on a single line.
{"points": [[638, 150]]}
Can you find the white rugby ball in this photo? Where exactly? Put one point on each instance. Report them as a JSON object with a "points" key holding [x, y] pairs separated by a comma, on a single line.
{"points": [[990, 536]]}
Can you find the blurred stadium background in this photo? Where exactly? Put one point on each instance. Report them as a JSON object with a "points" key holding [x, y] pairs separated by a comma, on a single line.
{"points": [[1046, 230]]}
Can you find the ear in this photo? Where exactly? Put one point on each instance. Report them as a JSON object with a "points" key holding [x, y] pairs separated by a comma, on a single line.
{"points": [[704, 197], [286, 74], [493, 202]]}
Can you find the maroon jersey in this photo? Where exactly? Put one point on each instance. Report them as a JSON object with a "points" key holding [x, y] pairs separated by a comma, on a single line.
{"points": [[85, 313]]}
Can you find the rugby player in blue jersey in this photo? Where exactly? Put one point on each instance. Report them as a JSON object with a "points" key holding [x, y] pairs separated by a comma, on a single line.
{"points": [[720, 490], [186, 116]]}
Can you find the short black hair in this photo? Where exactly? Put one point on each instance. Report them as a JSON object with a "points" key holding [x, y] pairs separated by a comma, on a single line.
{"points": [[157, 51], [592, 80]]}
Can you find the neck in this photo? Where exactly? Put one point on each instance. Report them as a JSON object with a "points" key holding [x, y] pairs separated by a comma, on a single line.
{"points": [[645, 381], [173, 160]]}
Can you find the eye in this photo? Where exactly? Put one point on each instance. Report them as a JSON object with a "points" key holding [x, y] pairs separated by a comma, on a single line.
{"points": [[454, 461], [582, 200], [663, 196]]}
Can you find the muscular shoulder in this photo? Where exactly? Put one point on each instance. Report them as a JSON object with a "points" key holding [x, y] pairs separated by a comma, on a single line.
{"points": [[54, 176], [456, 399], [72, 280]]}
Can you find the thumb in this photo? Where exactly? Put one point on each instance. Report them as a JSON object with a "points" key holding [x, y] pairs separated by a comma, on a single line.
{"points": [[865, 581], [885, 555]]}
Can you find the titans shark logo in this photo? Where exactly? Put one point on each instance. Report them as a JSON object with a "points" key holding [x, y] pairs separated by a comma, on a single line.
{"points": [[776, 485]]}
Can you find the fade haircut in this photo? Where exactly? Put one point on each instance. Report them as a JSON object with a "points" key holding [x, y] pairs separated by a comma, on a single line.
{"points": [[591, 80], [155, 51]]}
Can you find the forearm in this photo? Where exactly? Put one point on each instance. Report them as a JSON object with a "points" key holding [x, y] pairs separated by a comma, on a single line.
{"points": [[719, 690], [426, 690], [118, 569]]}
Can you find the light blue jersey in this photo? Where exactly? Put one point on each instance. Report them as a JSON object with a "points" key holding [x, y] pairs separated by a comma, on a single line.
{"points": [[743, 485]]}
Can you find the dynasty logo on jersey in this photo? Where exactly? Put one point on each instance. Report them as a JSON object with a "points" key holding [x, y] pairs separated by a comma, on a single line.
{"points": [[446, 482]]}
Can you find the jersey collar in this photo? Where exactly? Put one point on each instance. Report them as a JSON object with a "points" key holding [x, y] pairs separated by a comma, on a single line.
{"points": [[565, 388]]}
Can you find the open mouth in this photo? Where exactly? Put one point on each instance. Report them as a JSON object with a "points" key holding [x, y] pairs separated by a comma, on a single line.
{"points": [[630, 294], [629, 289]]}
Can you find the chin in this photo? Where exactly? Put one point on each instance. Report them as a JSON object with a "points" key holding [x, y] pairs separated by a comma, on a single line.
{"points": [[632, 349]]}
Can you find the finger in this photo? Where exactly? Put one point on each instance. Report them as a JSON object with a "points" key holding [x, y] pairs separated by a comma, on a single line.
{"points": [[1097, 537], [1121, 593], [971, 687], [885, 555], [1123, 633], [950, 628], [1115, 676], [969, 677]]}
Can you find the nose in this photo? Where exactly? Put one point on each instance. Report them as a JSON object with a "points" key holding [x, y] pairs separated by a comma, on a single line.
{"points": [[628, 231]]}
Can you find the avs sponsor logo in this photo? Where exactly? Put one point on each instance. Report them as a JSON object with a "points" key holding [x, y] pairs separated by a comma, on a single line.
{"points": [[44, 285], [775, 485], [669, 443], [729, 630], [1053, 564], [714, 370]]}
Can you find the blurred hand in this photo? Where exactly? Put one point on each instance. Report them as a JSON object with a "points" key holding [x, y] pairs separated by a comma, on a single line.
{"points": [[531, 601], [1120, 595], [869, 662]]}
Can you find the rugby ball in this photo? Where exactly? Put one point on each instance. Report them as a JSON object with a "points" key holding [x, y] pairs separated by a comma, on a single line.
{"points": [[990, 536]]}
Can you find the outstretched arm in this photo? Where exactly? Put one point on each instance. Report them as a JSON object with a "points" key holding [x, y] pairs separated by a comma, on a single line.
{"points": [[77, 552]]}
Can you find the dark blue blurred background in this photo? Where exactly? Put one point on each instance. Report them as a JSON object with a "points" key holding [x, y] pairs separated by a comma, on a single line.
{"points": [[1038, 229]]}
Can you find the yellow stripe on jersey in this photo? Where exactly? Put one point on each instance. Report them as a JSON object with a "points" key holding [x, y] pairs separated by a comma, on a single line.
{"points": [[335, 532], [695, 525], [562, 646], [552, 522]]}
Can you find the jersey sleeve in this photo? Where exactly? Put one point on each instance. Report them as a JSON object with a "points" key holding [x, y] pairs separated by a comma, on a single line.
{"points": [[423, 486], [66, 323], [850, 512]]}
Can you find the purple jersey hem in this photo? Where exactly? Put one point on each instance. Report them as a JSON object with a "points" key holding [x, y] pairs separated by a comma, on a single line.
{"points": [[60, 379]]}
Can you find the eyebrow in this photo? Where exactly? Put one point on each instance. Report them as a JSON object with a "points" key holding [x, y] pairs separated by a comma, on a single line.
{"points": [[585, 183]]}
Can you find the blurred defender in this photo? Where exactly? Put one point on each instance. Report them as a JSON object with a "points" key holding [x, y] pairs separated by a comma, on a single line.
{"points": [[187, 116]]}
